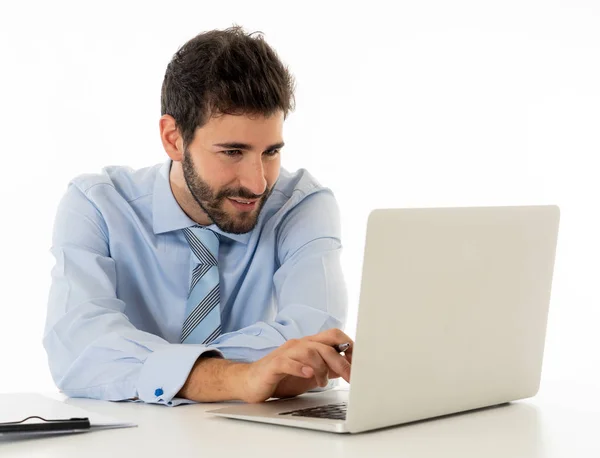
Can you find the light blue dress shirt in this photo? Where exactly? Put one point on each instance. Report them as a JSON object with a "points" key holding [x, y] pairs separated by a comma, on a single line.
{"points": [[122, 274]]}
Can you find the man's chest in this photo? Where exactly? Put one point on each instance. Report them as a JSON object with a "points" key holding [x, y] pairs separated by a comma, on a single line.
{"points": [[154, 276]]}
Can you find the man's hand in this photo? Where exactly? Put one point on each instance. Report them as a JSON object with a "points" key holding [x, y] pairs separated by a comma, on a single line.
{"points": [[296, 367]]}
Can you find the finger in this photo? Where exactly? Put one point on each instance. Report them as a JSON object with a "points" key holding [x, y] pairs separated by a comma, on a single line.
{"points": [[348, 353], [332, 337], [285, 365], [333, 375], [335, 362], [310, 356], [335, 337]]}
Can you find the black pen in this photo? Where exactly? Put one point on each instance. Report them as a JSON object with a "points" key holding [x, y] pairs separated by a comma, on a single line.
{"points": [[340, 348], [67, 424]]}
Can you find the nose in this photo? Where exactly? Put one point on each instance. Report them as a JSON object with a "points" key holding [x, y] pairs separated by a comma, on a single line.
{"points": [[252, 176]]}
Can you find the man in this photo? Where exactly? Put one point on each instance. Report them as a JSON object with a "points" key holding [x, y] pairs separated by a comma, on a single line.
{"points": [[213, 276]]}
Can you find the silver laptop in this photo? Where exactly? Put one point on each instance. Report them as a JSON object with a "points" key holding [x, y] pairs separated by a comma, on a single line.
{"points": [[452, 317]]}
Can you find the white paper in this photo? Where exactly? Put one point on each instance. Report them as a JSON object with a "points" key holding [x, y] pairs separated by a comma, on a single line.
{"points": [[16, 407]]}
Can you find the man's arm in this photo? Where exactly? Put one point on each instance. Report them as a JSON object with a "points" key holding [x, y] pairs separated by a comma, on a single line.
{"points": [[309, 286], [93, 349], [292, 369]]}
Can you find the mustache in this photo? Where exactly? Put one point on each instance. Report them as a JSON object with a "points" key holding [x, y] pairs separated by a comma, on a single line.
{"points": [[240, 193]]}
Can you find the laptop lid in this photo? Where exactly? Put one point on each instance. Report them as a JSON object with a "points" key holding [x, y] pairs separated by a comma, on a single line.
{"points": [[452, 313]]}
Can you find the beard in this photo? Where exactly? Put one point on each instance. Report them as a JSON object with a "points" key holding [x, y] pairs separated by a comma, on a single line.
{"points": [[213, 202]]}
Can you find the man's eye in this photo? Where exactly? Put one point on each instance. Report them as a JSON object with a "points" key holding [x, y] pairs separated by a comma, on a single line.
{"points": [[272, 152], [232, 152]]}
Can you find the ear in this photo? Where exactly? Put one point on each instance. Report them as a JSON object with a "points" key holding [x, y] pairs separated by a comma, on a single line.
{"points": [[170, 137]]}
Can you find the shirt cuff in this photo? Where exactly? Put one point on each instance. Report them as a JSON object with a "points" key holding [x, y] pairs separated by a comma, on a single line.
{"points": [[166, 370]]}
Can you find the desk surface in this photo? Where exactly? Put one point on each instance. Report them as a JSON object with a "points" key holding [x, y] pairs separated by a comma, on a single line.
{"points": [[545, 426]]}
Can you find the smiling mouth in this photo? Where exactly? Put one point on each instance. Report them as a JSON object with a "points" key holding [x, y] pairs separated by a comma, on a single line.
{"points": [[244, 205], [242, 201]]}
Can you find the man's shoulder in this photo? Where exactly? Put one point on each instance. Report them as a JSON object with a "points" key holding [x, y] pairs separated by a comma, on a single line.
{"points": [[122, 182], [302, 209], [297, 185], [295, 192]]}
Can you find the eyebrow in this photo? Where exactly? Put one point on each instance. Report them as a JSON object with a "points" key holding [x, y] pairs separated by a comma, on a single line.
{"points": [[246, 146]]}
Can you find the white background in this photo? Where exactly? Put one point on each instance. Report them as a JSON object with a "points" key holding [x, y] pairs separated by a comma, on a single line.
{"points": [[399, 104]]}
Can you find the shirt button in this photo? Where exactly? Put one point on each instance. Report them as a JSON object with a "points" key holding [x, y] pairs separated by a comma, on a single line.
{"points": [[158, 392]]}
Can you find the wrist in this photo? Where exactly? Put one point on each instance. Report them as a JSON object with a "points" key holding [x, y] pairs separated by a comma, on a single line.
{"points": [[214, 380], [235, 379]]}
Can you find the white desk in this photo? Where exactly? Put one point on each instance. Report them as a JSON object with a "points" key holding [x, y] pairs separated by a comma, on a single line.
{"points": [[549, 425]]}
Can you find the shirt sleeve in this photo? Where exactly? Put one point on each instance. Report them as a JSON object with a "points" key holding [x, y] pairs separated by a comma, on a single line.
{"points": [[93, 349], [309, 286]]}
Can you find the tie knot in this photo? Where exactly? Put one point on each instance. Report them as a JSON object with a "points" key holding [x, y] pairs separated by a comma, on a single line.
{"points": [[204, 243]]}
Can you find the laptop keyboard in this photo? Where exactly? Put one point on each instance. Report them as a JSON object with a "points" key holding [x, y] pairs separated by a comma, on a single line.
{"points": [[331, 411]]}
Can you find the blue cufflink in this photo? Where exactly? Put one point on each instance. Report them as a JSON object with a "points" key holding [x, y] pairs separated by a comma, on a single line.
{"points": [[158, 392]]}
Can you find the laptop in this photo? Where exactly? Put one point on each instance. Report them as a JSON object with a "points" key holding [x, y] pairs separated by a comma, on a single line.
{"points": [[452, 317]]}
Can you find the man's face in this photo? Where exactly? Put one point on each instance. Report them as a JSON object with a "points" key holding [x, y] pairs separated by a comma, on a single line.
{"points": [[231, 166]]}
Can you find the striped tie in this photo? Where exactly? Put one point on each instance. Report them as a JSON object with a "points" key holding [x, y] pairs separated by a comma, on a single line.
{"points": [[203, 322]]}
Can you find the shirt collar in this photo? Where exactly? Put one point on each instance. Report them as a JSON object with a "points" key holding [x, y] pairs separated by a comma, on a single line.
{"points": [[168, 216]]}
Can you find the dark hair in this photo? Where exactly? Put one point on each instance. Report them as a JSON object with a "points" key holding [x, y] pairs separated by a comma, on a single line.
{"points": [[224, 72]]}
